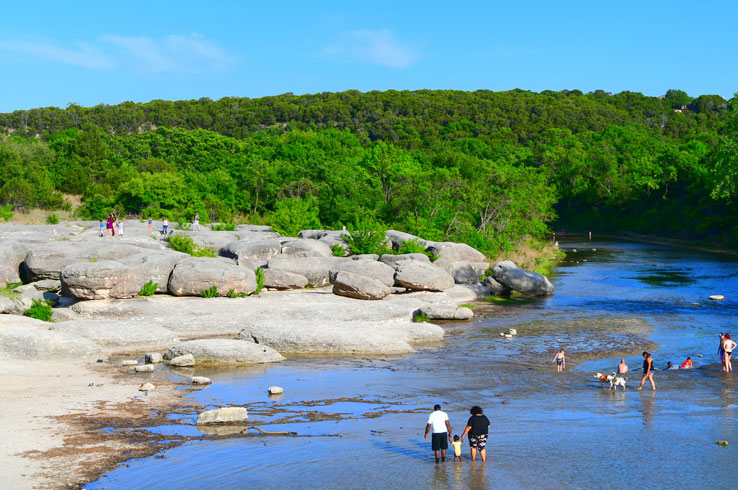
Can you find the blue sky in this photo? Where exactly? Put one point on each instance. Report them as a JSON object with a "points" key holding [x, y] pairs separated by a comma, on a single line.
{"points": [[54, 53]]}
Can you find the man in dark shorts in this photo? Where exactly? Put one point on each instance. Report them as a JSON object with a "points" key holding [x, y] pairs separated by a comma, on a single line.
{"points": [[441, 432]]}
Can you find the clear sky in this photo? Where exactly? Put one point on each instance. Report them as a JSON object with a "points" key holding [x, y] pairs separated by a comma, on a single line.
{"points": [[54, 53]]}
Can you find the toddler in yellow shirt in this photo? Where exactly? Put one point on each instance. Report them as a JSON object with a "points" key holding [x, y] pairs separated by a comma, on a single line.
{"points": [[457, 448]]}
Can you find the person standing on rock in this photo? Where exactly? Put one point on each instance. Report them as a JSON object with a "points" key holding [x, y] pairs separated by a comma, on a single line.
{"points": [[120, 228], [440, 428], [151, 221], [647, 371], [109, 224], [196, 222], [165, 226]]}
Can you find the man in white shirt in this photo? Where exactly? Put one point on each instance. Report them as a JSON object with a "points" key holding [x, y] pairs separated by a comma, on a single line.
{"points": [[441, 432]]}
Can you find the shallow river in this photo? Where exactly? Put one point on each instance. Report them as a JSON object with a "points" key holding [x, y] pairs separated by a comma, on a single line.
{"points": [[360, 421]]}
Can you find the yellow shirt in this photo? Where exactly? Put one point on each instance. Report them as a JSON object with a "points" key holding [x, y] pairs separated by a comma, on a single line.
{"points": [[457, 447]]}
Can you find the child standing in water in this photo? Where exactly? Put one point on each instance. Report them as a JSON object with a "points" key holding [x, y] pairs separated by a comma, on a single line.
{"points": [[457, 448], [560, 360]]}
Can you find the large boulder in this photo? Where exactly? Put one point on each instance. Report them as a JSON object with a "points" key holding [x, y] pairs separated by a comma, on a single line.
{"points": [[455, 251], [531, 283], [394, 260], [419, 276], [364, 267], [463, 272], [275, 279], [467, 293], [47, 260], [121, 336], [359, 287], [315, 269], [12, 254], [99, 280], [10, 307], [154, 266], [192, 277], [315, 248], [494, 287], [225, 351], [340, 337], [256, 251], [30, 339]]}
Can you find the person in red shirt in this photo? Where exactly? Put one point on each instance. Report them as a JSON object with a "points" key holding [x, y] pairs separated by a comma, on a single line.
{"points": [[687, 364]]}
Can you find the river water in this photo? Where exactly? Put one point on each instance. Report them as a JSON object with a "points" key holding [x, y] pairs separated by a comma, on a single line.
{"points": [[359, 422]]}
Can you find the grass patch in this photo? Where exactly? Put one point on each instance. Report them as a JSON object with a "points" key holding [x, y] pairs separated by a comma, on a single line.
{"points": [[211, 292], [52, 219], [259, 281], [511, 300], [338, 250], [7, 291], [233, 294], [40, 310], [92, 259], [309, 286], [148, 289], [223, 227], [466, 305], [185, 244]]}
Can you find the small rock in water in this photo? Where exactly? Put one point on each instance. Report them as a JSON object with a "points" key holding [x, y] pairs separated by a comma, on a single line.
{"points": [[275, 390], [200, 380], [502, 334], [699, 355], [146, 387], [152, 358], [721, 443], [183, 361], [696, 304], [594, 249], [508, 336], [129, 362], [227, 414], [717, 297], [512, 331], [584, 260], [146, 368]]}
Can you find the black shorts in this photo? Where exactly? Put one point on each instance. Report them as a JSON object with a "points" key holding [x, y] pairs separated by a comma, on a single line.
{"points": [[439, 440]]}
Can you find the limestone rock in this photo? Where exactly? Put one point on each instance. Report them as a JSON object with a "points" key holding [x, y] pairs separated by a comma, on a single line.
{"points": [[146, 368], [121, 336], [494, 287], [316, 247], [368, 268], [200, 380], [365, 257], [154, 266], [225, 351], [419, 276], [99, 280], [257, 251], [12, 254], [398, 238], [463, 271], [359, 287], [129, 362], [223, 415], [192, 277], [275, 390], [152, 358], [531, 283], [146, 387], [394, 260], [27, 338], [315, 269], [186, 360], [467, 293], [455, 251], [276, 279]]}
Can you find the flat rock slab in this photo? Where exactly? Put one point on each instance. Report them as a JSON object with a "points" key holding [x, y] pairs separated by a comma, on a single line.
{"points": [[225, 351], [223, 415], [331, 337], [26, 338], [118, 336]]}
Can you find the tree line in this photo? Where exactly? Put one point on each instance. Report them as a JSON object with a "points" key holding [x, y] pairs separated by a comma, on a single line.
{"points": [[488, 168]]}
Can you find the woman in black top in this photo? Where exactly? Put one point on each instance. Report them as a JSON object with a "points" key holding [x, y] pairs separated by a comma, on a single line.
{"points": [[477, 427], [647, 371]]}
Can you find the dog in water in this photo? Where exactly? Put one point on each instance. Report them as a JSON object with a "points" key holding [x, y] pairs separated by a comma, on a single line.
{"points": [[614, 379]]}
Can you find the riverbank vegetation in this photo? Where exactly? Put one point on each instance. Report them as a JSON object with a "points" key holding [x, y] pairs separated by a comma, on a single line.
{"points": [[486, 168]]}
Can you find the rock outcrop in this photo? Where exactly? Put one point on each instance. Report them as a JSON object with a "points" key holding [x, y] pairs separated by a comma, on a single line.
{"points": [[193, 276], [224, 351], [121, 336], [99, 280], [315, 269], [29, 339], [510, 275], [364, 267]]}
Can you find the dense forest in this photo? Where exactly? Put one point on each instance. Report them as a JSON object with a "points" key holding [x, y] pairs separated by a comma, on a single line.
{"points": [[488, 168]]}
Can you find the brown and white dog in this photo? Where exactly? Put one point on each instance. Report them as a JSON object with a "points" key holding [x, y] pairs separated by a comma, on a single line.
{"points": [[614, 379]]}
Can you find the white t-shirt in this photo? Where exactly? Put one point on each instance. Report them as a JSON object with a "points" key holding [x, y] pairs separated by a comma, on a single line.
{"points": [[438, 421]]}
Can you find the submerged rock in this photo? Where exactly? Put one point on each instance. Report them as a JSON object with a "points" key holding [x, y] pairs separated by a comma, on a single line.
{"points": [[223, 415]]}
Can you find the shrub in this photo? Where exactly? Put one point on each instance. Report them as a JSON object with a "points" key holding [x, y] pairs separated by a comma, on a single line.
{"points": [[338, 250], [415, 247], [366, 236], [223, 227], [259, 281], [6, 212], [40, 310], [211, 292], [292, 215], [185, 244], [52, 219], [419, 317], [148, 289]]}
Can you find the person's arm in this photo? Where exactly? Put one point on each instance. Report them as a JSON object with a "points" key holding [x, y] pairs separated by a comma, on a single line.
{"points": [[466, 431], [448, 428], [563, 361], [427, 428]]}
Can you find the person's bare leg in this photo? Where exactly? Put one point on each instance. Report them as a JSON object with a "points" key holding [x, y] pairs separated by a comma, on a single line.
{"points": [[473, 454], [643, 380], [653, 385], [483, 454], [728, 364], [443, 454], [438, 455]]}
